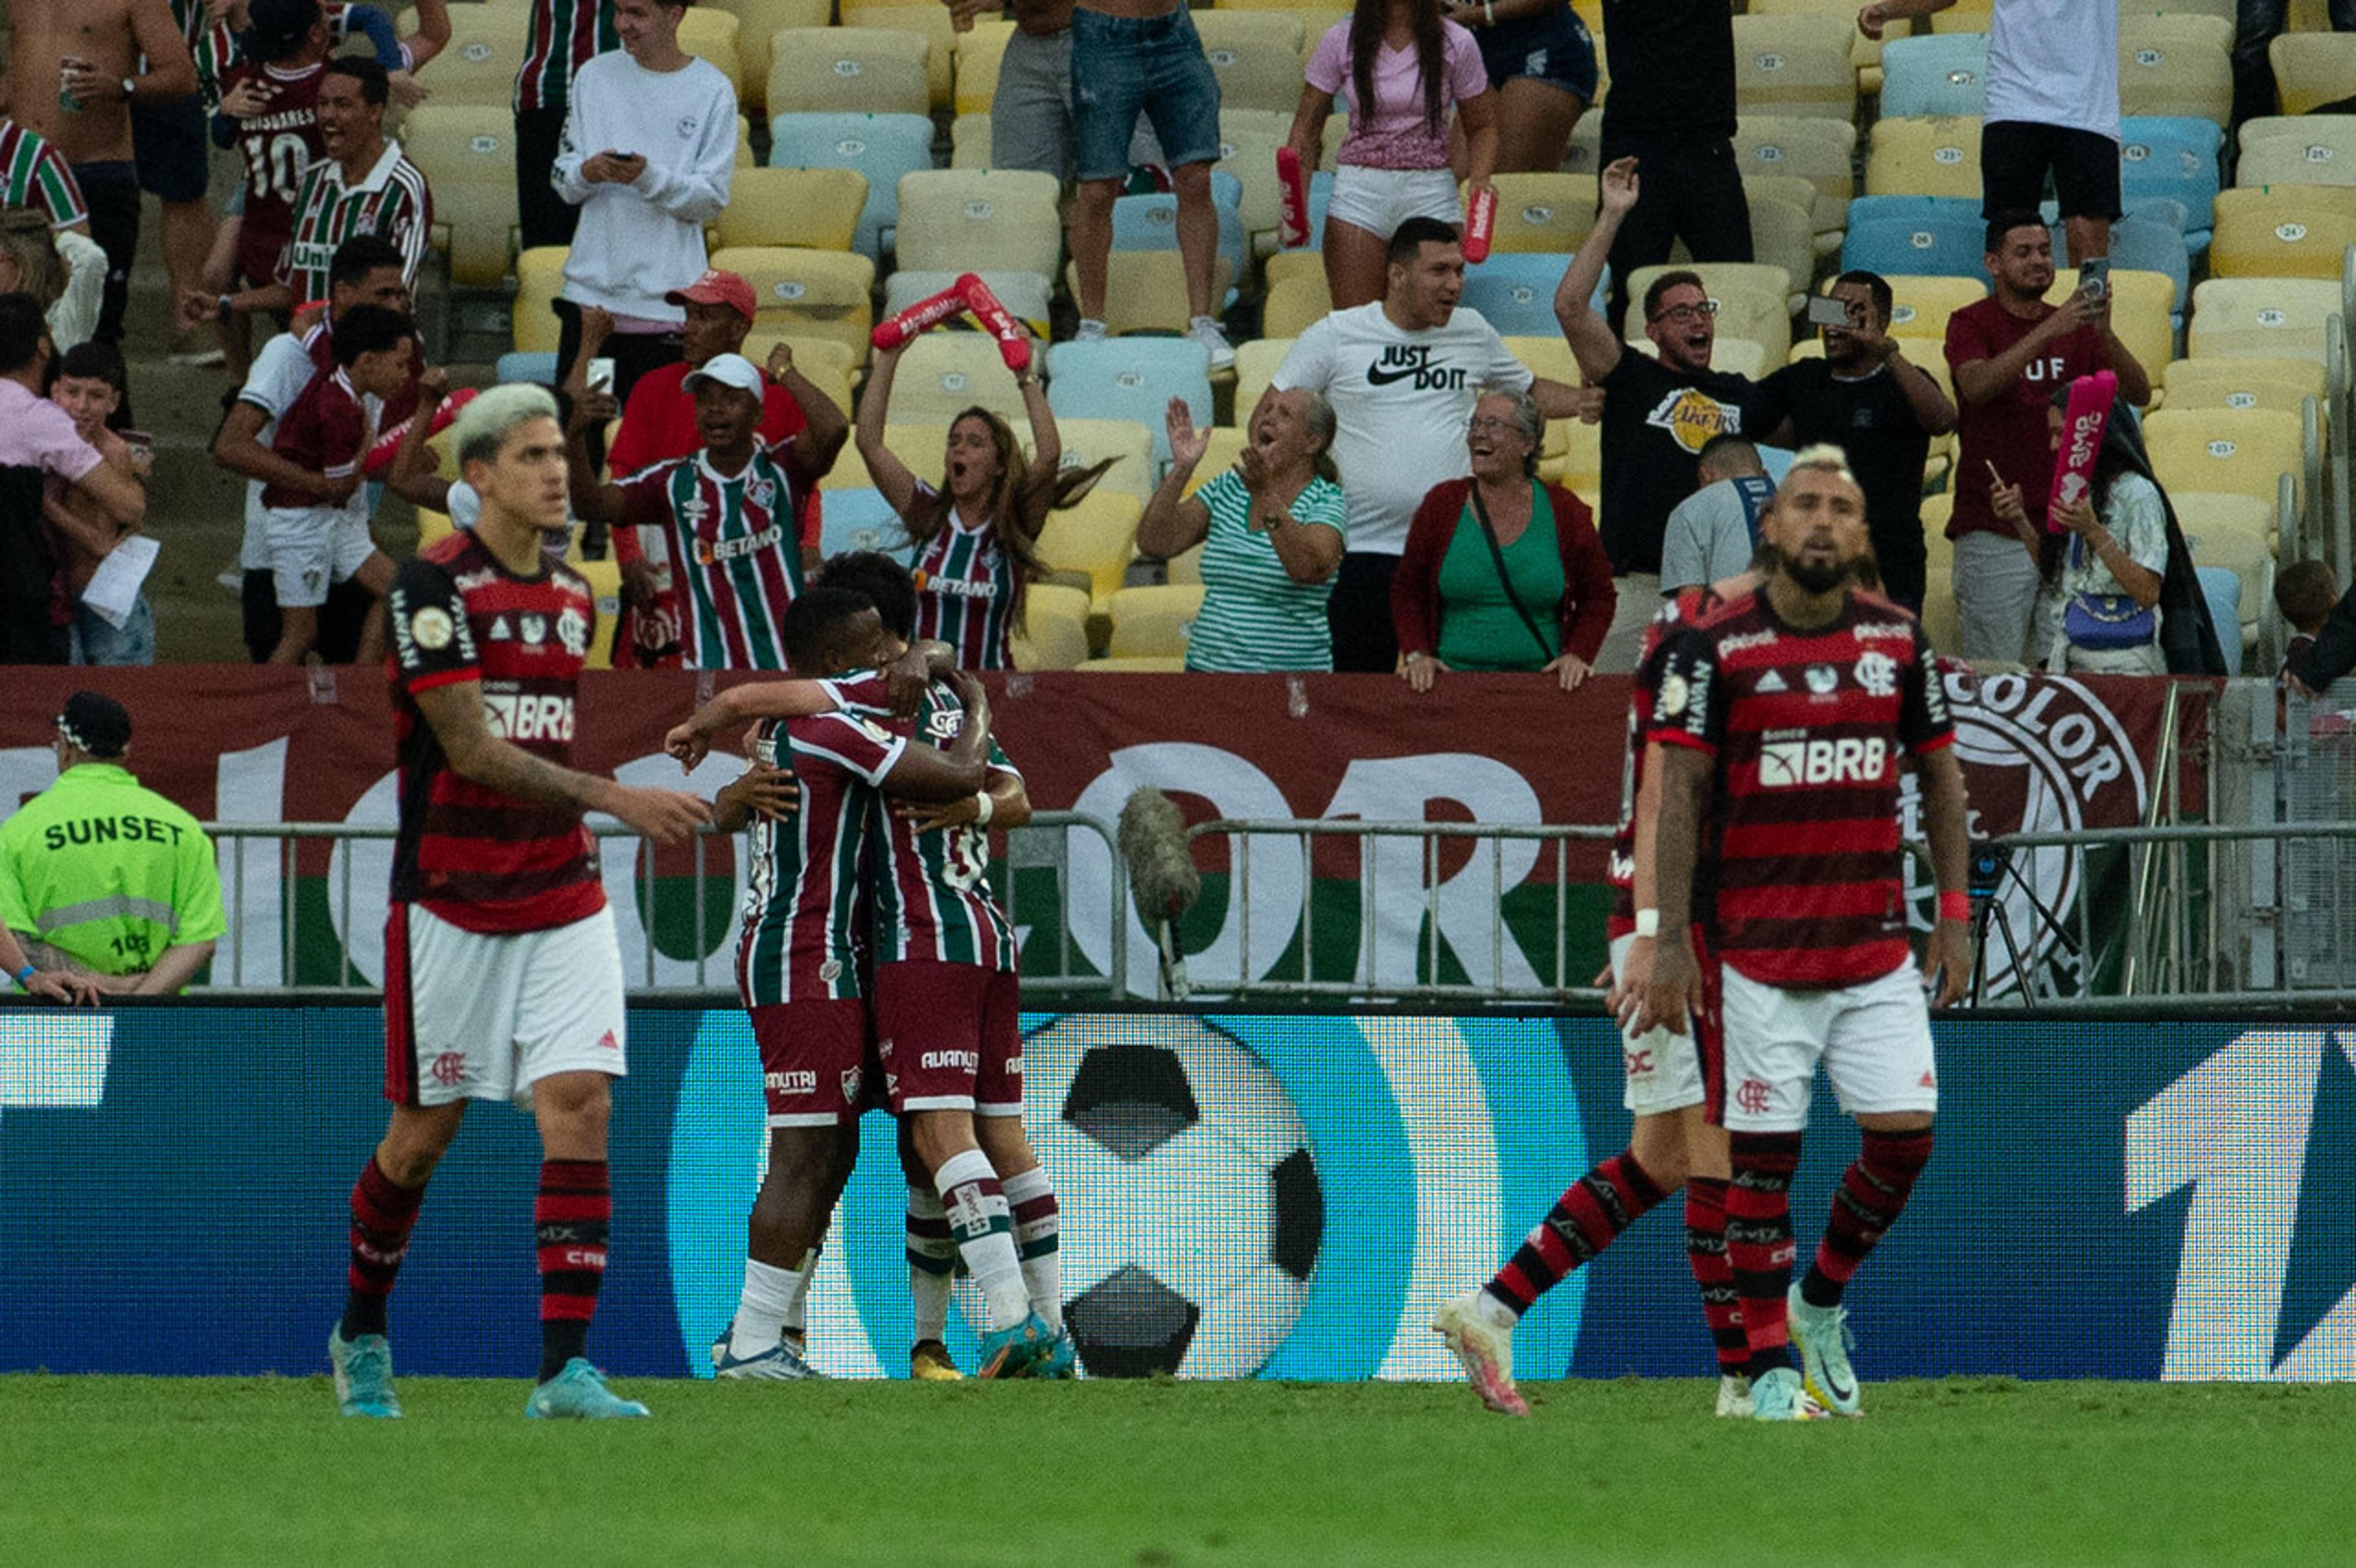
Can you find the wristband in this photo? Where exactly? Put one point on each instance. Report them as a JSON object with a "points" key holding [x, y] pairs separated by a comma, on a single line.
{"points": [[25, 978], [984, 808], [1955, 906], [1648, 923]]}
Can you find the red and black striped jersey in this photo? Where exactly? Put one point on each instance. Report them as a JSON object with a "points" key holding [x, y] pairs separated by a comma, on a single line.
{"points": [[805, 903], [478, 858], [1807, 730], [1659, 637], [563, 36]]}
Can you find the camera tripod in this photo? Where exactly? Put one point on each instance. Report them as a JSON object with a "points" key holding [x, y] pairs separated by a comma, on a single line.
{"points": [[1991, 867]]}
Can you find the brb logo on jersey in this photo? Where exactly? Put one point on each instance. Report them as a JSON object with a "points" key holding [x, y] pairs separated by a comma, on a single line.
{"points": [[1795, 763], [1400, 363]]}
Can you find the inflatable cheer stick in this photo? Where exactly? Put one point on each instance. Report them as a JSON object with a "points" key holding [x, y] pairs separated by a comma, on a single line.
{"points": [[1480, 224], [380, 456], [893, 331], [1014, 341], [1294, 185], [2082, 437]]}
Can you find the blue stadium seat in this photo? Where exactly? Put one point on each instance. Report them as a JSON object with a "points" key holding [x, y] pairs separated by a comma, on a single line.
{"points": [[859, 519], [522, 365], [881, 146], [1931, 246], [1150, 222], [2174, 157], [1321, 196], [1939, 73], [2222, 587], [2142, 243], [1131, 378], [1915, 208], [1513, 290]]}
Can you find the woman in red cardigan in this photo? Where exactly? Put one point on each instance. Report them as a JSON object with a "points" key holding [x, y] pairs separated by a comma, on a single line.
{"points": [[1500, 572]]}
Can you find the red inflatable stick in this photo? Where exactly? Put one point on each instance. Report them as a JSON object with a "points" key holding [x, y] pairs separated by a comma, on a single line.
{"points": [[380, 456], [2081, 437], [893, 331], [1294, 186], [1480, 225], [1013, 340]]}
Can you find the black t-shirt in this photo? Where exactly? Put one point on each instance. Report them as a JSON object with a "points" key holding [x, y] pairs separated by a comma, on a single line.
{"points": [[1672, 67], [1871, 421], [1655, 422]]}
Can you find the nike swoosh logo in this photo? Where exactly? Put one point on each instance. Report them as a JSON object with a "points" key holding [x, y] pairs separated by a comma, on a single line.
{"points": [[1378, 376]]}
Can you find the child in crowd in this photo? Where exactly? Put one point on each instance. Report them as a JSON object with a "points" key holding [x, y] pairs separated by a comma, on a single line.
{"points": [[90, 386], [2305, 593]]}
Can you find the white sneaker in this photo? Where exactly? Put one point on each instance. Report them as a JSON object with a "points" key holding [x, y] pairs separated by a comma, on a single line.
{"points": [[1206, 331], [1485, 1349], [1088, 331], [1734, 1397], [1821, 1335]]}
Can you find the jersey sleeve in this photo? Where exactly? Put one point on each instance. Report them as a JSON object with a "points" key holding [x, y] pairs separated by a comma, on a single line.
{"points": [[432, 643], [1923, 724], [645, 501], [1329, 63], [342, 436], [861, 691], [1688, 705], [999, 763], [858, 746], [1310, 361]]}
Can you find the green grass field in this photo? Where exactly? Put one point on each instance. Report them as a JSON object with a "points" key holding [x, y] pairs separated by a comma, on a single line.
{"points": [[129, 1469]]}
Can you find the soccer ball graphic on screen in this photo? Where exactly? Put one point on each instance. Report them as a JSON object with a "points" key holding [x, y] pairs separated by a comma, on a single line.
{"points": [[1191, 1204]]}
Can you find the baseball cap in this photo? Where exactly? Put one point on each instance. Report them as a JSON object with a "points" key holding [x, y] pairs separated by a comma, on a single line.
{"points": [[729, 370], [716, 287], [274, 27], [95, 723]]}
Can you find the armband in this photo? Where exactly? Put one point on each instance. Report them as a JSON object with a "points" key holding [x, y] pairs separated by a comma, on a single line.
{"points": [[1955, 906], [984, 808], [25, 978], [1648, 923]]}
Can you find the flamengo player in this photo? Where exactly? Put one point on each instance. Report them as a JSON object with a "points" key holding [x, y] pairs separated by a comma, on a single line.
{"points": [[502, 979], [1785, 718], [1673, 1095]]}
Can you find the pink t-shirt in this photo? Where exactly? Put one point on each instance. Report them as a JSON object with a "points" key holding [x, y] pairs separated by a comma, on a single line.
{"points": [[1394, 136]]}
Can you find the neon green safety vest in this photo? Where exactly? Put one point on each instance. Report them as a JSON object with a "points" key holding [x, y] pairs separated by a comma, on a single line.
{"points": [[107, 872]]}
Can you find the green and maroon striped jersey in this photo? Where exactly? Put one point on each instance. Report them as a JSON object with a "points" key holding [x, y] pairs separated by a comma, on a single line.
{"points": [[804, 907], [564, 36], [34, 174], [393, 202], [735, 553], [965, 593]]}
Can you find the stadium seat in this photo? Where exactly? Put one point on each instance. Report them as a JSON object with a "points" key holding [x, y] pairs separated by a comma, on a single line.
{"points": [[931, 23], [540, 278], [1920, 306], [2224, 590], [1864, 54], [970, 142], [1088, 546], [976, 53], [1934, 156], [2238, 452], [812, 209], [432, 527], [1024, 294], [1585, 154], [2175, 64], [1127, 442], [2281, 384], [1052, 633], [858, 519], [1513, 290], [2176, 158], [526, 364], [1149, 222], [2313, 68], [1295, 304], [2141, 244], [1826, 218], [1224, 451], [604, 579], [1731, 354], [1782, 236], [1247, 143], [1186, 566], [963, 221], [708, 33], [758, 21], [1543, 212], [1256, 54], [1918, 248], [1971, 16], [1145, 291], [2283, 231], [827, 362], [880, 147], [1281, 265], [2320, 158], [1132, 379], [1795, 65], [943, 373], [871, 70], [814, 293], [478, 65], [1256, 364], [2223, 525], [2139, 313], [2266, 317], [1940, 74], [1753, 299], [1154, 621], [1822, 151], [467, 152]]}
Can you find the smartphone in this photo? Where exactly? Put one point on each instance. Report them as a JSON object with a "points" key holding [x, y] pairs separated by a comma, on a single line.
{"points": [[600, 376], [2094, 278], [1824, 310]]}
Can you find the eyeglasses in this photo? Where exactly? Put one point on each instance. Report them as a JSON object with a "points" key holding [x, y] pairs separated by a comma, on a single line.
{"points": [[1480, 423], [1686, 311]]}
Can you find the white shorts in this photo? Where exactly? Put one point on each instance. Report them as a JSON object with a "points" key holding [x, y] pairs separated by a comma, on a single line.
{"points": [[311, 549], [1874, 1038], [1379, 200], [484, 1016], [1663, 1070]]}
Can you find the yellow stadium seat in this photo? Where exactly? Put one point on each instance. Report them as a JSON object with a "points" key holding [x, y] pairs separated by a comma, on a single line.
{"points": [[2266, 317], [871, 70], [1864, 53], [1283, 264], [1256, 54], [2141, 307], [468, 153], [432, 527], [1751, 301], [1137, 663], [917, 446], [2283, 231], [979, 50], [2176, 65], [1819, 150], [960, 220], [814, 210], [1154, 621], [1795, 65], [2217, 523], [1256, 364], [969, 140], [943, 373], [1825, 216], [1091, 544], [1186, 566], [2282, 384], [708, 33], [2320, 149], [2237, 452], [1782, 245], [1053, 631], [604, 579], [540, 278], [757, 22], [1129, 443], [813, 294], [1550, 357], [1932, 154], [1920, 305], [1224, 451], [2313, 68], [2247, 556], [744, 158], [1578, 465], [1736, 355], [1145, 291], [1543, 211], [930, 22], [478, 65], [1296, 304], [1249, 139], [827, 362]]}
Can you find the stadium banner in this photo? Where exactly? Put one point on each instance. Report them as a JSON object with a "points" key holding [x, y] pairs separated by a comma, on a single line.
{"points": [[1277, 1196], [236, 744]]}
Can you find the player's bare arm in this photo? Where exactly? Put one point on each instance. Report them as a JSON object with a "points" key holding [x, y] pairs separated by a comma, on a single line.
{"points": [[1945, 811], [593, 500], [809, 453], [1684, 776], [915, 670], [763, 789], [456, 712], [741, 705], [1592, 342], [1009, 806]]}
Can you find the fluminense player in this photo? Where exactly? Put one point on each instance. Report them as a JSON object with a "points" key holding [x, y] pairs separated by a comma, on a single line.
{"points": [[1674, 1083], [502, 977], [1785, 718]]}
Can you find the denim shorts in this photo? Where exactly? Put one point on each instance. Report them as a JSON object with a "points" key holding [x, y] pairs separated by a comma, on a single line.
{"points": [[1553, 47], [1125, 65]]}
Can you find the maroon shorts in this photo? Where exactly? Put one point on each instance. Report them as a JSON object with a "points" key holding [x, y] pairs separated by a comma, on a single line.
{"points": [[949, 1038], [812, 1060]]}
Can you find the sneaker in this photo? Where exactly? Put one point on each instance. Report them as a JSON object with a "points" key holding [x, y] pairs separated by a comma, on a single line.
{"points": [[930, 1362], [1063, 1362], [579, 1393], [1779, 1397], [1821, 1335], [1206, 331], [197, 347], [1014, 1352], [363, 1370], [1734, 1396], [781, 1363], [1088, 331], [1485, 1349]]}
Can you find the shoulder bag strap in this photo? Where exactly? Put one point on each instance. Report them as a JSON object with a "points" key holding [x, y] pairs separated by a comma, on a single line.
{"points": [[1497, 557]]}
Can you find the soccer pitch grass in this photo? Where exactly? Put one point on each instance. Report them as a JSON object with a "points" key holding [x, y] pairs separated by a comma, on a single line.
{"points": [[1978, 1470]]}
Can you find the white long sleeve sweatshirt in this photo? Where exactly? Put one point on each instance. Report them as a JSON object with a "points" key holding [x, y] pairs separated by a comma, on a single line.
{"points": [[637, 241]]}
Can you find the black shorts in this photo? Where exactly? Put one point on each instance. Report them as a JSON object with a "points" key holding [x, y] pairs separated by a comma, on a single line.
{"points": [[1551, 47], [2016, 155], [169, 144]]}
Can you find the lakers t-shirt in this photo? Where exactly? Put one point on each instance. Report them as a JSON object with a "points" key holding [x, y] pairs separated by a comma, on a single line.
{"points": [[1655, 422]]}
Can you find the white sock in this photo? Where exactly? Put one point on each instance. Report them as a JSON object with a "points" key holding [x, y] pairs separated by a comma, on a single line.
{"points": [[769, 1294], [796, 1311], [1031, 1197], [932, 1265], [984, 1229], [1493, 1309]]}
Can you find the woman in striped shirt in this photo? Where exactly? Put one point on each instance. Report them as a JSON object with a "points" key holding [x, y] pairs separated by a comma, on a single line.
{"points": [[976, 532], [1271, 529]]}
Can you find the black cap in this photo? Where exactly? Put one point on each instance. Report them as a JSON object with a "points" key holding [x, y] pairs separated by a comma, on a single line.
{"points": [[96, 724], [275, 27]]}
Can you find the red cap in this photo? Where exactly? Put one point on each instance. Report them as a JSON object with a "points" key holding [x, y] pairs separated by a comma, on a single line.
{"points": [[716, 287]]}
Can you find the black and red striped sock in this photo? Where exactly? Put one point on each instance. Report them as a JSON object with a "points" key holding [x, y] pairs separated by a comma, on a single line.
{"points": [[1584, 1221], [383, 1213], [570, 1219], [1873, 1193], [1713, 1271], [1759, 1240]]}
